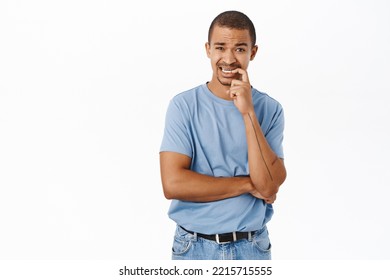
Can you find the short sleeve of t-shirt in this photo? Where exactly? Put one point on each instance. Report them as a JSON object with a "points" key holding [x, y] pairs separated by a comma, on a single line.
{"points": [[176, 137]]}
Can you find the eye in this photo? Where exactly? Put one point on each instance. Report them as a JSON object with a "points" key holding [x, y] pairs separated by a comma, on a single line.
{"points": [[240, 50], [219, 48]]}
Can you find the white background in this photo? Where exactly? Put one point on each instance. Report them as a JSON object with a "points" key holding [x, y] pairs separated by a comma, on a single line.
{"points": [[84, 87]]}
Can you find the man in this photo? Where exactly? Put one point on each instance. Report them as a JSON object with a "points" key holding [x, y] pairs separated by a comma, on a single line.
{"points": [[221, 156]]}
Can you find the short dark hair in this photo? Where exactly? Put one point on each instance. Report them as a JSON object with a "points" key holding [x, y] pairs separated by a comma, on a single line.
{"points": [[234, 20]]}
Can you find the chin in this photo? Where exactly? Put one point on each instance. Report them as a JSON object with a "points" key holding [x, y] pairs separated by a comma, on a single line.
{"points": [[225, 82]]}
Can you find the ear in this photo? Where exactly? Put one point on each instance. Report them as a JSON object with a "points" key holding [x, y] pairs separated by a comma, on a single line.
{"points": [[207, 47], [254, 50]]}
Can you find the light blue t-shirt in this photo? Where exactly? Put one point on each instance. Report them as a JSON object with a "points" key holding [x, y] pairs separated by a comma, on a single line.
{"points": [[211, 131]]}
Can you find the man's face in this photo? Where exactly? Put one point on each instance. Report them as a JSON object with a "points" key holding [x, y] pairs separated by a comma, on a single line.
{"points": [[229, 49]]}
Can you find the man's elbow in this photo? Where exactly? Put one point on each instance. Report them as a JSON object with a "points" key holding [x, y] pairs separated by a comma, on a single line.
{"points": [[168, 195], [282, 177], [269, 187], [169, 190], [268, 190]]}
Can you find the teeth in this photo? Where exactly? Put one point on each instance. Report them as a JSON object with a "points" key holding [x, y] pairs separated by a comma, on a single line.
{"points": [[227, 71]]}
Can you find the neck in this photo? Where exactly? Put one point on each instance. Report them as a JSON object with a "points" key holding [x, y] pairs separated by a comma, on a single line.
{"points": [[218, 89]]}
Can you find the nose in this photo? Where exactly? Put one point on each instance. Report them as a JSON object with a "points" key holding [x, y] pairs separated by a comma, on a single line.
{"points": [[229, 57]]}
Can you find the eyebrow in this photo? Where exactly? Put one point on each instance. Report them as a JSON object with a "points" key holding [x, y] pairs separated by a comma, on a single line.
{"points": [[236, 45]]}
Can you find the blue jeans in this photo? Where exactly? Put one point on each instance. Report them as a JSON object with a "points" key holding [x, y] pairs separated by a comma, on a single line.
{"points": [[187, 246]]}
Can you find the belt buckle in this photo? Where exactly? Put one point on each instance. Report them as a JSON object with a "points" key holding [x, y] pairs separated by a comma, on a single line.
{"points": [[234, 238]]}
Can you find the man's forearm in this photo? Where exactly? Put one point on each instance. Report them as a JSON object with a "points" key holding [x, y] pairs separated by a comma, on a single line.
{"points": [[267, 171], [192, 186]]}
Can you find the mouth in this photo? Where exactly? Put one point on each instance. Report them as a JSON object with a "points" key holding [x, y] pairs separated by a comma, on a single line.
{"points": [[227, 72]]}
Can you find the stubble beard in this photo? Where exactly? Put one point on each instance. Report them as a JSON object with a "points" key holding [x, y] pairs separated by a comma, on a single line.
{"points": [[228, 84]]}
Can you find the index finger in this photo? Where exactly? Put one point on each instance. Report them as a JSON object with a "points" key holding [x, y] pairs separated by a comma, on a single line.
{"points": [[243, 73]]}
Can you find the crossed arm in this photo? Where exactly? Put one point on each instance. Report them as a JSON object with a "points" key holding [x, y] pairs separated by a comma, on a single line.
{"points": [[179, 182], [267, 171], [267, 174]]}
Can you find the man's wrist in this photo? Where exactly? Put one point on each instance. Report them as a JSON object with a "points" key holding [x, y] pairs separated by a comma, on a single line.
{"points": [[247, 185]]}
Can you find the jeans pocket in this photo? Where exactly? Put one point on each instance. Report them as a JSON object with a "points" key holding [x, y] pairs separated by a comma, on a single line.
{"points": [[181, 242], [180, 247], [262, 242]]}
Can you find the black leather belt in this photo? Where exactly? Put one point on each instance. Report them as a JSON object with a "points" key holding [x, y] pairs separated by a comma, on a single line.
{"points": [[224, 237]]}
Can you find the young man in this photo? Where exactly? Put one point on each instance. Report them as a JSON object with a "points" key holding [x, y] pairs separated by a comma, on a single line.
{"points": [[221, 156]]}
